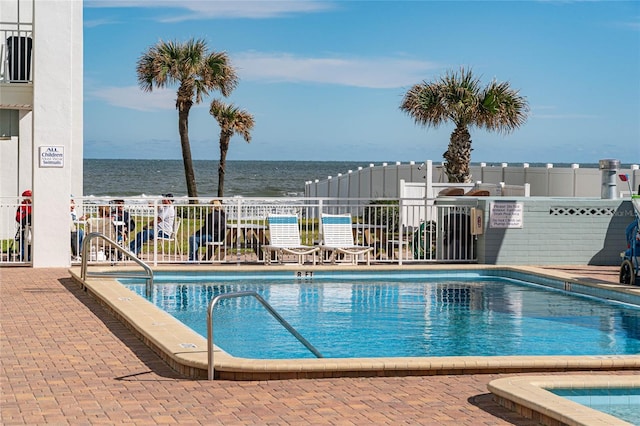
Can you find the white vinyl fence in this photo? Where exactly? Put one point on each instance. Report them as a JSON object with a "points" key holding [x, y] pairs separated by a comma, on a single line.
{"points": [[382, 181]]}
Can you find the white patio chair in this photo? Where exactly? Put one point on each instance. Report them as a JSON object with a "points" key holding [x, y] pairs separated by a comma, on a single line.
{"points": [[100, 250], [284, 238], [173, 237], [337, 237]]}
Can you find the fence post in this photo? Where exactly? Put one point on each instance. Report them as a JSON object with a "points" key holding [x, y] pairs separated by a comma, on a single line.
{"points": [[384, 180], [397, 178], [575, 168], [429, 176], [549, 167], [371, 180]]}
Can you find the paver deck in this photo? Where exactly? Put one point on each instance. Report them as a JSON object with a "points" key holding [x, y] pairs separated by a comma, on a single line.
{"points": [[65, 360]]}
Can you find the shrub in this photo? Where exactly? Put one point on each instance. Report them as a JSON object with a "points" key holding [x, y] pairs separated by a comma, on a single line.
{"points": [[382, 212]]}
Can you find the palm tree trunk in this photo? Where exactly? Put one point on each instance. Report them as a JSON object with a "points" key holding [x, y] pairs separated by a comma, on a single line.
{"points": [[458, 156], [224, 147], [183, 129]]}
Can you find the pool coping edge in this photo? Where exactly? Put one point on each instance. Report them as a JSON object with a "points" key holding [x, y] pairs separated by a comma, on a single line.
{"points": [[530, 397], [186, 351]]}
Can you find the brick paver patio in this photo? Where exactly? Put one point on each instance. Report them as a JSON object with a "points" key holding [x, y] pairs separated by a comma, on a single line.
{"points": [[65, 360]]}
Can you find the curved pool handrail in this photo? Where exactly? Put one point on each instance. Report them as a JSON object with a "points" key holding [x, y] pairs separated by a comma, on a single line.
{"points": [[84, 272], [214, 301]]}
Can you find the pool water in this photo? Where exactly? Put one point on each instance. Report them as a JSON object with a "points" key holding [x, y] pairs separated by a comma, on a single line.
{"points": [[344, 317], [623, 403]]}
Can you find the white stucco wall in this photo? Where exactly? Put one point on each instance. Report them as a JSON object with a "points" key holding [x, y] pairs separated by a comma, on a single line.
{"points": [[57, 121]]}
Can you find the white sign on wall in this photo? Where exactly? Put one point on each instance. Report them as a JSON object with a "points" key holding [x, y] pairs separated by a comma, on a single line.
{"points": [[506, 214], [51, 156]]}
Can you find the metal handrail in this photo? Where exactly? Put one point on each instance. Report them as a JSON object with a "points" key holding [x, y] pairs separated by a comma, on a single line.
{"points": [[268, 307], [84, 272]]}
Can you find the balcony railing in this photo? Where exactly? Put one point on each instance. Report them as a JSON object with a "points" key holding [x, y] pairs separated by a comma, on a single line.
{"points": [[16, 53], [16, 41]]}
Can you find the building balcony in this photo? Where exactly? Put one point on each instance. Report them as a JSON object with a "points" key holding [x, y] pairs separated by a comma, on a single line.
{"points": [[16, 65]]}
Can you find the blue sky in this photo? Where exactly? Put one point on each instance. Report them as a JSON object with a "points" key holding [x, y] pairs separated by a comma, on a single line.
{"points": [[324, 79]]}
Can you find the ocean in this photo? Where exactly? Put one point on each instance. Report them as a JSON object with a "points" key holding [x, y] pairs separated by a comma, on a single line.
{"points": [[131, 178]]}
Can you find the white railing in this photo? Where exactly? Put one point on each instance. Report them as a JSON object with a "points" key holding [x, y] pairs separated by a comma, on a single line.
{"points": [[16, 41], [16, 53], [436, 233], [15, 237]]}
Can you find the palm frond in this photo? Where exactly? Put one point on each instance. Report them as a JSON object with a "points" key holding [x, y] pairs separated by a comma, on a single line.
{"points": [[459, 97], [189, 64], [503, 109], [222, 75], [232, 119]]}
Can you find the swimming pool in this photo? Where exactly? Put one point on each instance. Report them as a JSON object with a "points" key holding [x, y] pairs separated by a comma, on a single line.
{"points": [[401, 314], [623, 403], [568, 398]]}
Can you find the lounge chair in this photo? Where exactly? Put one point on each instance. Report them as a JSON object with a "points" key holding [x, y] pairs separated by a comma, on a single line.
{"points": [[337, 235], [451, 192], [284, 238], [477, 193]]}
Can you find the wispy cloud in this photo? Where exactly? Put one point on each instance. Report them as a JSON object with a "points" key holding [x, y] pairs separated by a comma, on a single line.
{"points": [[547, 112], [377, 73], [550, 112], [98, 22], [199, 9], [568, 116], [132, 97], [632, 25]]}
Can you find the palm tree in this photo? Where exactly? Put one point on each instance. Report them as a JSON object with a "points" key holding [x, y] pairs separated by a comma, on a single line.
{"points": [[197, 71], [459, 97], [232, 120]]}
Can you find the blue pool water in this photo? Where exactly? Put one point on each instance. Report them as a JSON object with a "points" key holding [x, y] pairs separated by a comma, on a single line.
{"points": [[346, 315], [623, 403]]}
